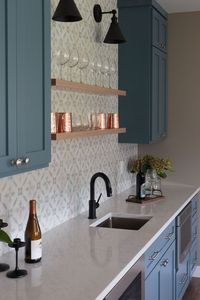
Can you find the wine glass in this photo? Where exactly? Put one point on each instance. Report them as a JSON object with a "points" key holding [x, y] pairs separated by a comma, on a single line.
{"points": [[112, 72], [91, 73], [98, 67], [61, 58], [151, 177], [77, 122], [64, 58], [105, 71], [56, 60], [73, 60], [83, 63]]}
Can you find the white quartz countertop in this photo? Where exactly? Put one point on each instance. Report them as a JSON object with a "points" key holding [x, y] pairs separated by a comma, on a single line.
{"points": [[84, 263]]}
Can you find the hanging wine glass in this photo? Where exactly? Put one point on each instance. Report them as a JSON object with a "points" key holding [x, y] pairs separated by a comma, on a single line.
{"points": [[73, 60], [82, 64], [112, 73], [61, 57], [98, 67], [92, 72], [56, 62], [105, 72], [64, 58]]}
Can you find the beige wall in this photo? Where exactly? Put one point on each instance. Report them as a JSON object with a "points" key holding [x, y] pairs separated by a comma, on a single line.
{"points": [[182, 145]]}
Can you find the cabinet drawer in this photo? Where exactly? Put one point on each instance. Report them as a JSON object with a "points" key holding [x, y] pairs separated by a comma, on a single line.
{"points": [[182, 277], [158, 248], [193, 258], [195, 200]]}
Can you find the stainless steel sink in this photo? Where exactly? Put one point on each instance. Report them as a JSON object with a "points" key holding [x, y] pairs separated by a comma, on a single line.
{"points": [[126, 221]]}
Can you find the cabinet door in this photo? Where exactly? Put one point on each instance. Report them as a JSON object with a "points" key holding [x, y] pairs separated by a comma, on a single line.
{"points": [[33, 81], [160, 284], [159, 109], [7, 84], [163, 34], [193, 258], [182, 277], [159, 28]]}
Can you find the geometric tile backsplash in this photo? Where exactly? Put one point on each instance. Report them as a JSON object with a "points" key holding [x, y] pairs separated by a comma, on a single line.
{"points": [[62, 189]]}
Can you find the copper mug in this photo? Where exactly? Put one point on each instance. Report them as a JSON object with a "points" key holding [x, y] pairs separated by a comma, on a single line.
{"points": [[101, 121], [61, 122], [113, 121]]}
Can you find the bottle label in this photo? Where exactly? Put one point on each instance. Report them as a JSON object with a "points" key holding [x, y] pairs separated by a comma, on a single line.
{"points": [[142, 191], [36, 249]]}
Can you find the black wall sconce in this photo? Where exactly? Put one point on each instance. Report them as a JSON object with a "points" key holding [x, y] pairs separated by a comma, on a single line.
{"points": [[67, 11], [114, 34]]}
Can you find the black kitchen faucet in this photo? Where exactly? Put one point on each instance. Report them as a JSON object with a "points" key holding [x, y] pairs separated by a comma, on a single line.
{"points": [[93, 204]]}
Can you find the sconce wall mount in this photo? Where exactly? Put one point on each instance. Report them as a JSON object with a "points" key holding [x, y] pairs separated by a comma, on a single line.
{"points": [[114, 34]]}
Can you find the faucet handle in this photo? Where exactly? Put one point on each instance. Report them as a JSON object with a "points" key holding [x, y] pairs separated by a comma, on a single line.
{"points": [[97, 203]]}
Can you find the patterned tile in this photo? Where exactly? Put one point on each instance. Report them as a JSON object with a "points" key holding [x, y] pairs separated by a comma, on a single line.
{"points": [[62, 190]]}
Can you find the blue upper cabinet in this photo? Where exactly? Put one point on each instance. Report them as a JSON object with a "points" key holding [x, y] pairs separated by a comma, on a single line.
{"points": [[159, 27], [25, 85], [142, 71], [7, 83], [159, 66]]}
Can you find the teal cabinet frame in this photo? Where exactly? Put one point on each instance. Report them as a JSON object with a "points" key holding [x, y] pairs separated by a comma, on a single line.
{"points": [[25, 99], [7, 83], [143, 74]]}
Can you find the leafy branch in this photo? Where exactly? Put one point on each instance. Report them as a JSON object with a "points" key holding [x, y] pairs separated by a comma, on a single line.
{"points": [[150, 162], [4, 237]]}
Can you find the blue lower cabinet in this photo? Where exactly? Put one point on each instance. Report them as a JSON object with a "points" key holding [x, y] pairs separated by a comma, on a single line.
{"points": [[183, 277], [160, 284], [193, 258]]}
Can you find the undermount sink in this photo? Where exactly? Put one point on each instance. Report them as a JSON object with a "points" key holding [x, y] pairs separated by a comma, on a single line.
{"points": [[122, 221]]}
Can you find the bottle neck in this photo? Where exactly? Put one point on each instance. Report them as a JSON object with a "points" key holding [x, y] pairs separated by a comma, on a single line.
{"points": [[140, 168], [32, 207]]}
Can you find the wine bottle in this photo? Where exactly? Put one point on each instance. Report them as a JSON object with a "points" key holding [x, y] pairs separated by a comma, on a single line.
{"points": [[140, 184], [33, 236]]}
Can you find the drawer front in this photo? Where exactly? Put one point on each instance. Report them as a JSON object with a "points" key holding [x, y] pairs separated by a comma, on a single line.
{"points": [[182, 277], [158, 248], [193, 258], [195, 200]]}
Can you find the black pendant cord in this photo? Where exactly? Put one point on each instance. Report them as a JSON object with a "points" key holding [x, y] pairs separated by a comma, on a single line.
{"points": [[16, 272]]}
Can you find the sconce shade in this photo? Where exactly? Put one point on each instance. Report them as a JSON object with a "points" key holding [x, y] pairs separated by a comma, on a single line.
{"points": [[67, 11], [114, 34]]}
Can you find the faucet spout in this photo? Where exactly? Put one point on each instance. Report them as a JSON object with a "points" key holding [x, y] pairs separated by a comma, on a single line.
{"points": [[93, 204]]}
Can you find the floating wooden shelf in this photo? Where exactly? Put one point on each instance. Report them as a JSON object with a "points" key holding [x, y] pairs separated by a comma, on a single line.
{"points": [[87, 88], [85, 133]]}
